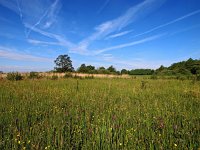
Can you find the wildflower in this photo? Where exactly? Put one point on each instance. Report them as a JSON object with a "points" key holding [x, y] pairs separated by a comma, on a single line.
{"points": [[29, 141], [175, 145], [19, 142], [120, 144]]}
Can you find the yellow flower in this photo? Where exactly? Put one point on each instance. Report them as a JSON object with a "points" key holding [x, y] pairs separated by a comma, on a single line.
{"points": [[19, 142], [175, 145]]}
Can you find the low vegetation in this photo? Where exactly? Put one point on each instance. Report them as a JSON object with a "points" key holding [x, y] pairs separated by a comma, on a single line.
{"points": [[14, 76], [100, 114]]}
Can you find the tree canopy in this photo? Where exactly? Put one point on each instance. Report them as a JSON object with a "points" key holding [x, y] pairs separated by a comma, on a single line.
{"points": [[189, 67], [63, 64]]}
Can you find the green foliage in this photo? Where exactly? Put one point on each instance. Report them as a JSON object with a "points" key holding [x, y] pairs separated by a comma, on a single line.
{"points": [[111, 69], [54, 77], [68, 75], [189, 67], [102, 70], [154, 77], [63, 64], [86, 69], [198, 77], [14, 76], [34, 75], [89, 77], [124, 71], [141, 72]]}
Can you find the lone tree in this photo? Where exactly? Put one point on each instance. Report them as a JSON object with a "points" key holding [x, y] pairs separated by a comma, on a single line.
{"points": [[63, 64]]}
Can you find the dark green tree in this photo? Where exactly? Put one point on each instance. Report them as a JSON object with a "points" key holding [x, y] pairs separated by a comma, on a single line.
{"points": [[86, 69], [82, 68], [101, 68], [124, 71], [111, 69], [63, 64]]}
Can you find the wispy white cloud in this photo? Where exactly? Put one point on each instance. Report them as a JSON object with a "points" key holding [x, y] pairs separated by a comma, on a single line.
{"points": [[131, 15], [107, 57], [184, 29], [10, 53], [103, 6], [61, 40], [130, 44], [38, 42], [10, 68], [37, 13], [119, 34], [169, 23]]}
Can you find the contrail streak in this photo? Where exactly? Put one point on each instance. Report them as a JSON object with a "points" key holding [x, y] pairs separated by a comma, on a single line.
{"points": [[169, 23]]}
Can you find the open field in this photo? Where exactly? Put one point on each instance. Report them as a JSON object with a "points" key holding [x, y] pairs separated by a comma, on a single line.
{"points": [[99, 114]]}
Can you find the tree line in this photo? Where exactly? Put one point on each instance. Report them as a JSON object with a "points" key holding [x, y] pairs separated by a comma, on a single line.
{"points": [[189, 67]]}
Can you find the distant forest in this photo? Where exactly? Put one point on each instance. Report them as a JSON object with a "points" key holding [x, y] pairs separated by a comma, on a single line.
{"points": [[189, 67]]}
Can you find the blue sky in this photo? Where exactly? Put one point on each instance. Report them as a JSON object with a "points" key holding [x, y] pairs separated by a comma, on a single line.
{"points": [[125, 33]]}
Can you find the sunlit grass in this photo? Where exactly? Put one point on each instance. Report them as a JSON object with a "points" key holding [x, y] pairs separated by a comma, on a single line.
{"points": [[99, 114]]}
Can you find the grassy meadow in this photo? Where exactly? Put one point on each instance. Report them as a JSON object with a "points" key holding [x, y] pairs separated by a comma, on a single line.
{"points": [[100, 114]]}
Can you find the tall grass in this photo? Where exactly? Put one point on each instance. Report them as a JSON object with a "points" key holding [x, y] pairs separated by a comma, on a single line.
{"points": [[99, 114]]}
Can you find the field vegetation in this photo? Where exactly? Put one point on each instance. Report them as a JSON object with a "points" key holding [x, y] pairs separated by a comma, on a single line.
{"points": [[92, 113]]}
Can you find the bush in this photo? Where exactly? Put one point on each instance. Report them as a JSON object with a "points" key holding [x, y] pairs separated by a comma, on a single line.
{"points": [[54, 77], [34, 75], [89, 77], [68, 75], [77, 77], [154, 77], [14, 76]]}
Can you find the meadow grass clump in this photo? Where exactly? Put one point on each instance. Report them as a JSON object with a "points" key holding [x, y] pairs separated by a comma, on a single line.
{"points": [[34, 75], [198, 77], [68, 75], [54, 77], [89, 77], [14, 76], [99, 114]]}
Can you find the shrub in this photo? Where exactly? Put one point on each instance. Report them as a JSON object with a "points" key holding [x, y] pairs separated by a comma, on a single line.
{"points": [[77, 77], [89, 77], [54, 77], [154, 77], [68, 75], [14, 76], [34, 75]]}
